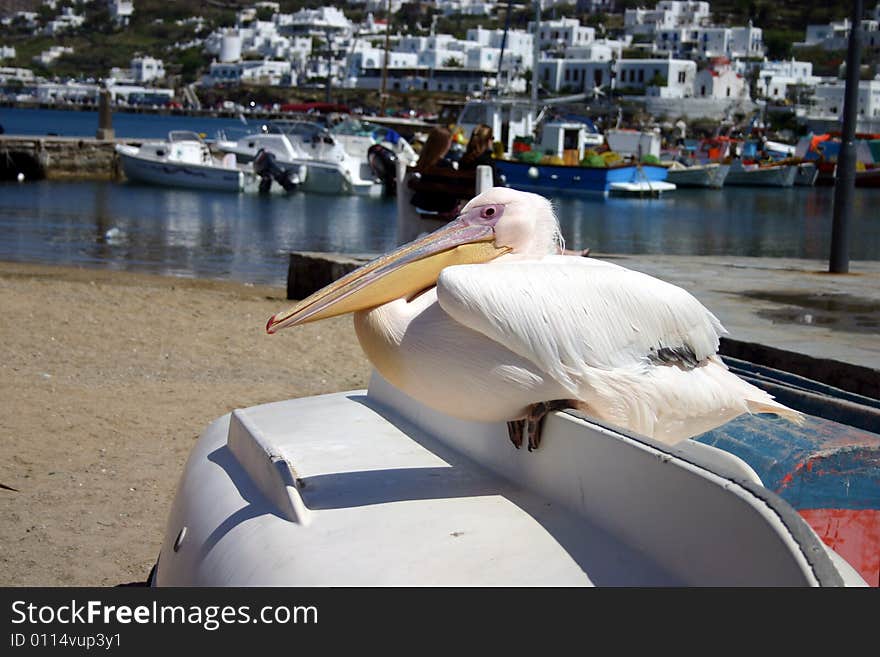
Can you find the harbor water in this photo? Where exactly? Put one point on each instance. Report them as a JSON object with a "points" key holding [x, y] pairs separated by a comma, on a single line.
{"points": [[247, 238]]}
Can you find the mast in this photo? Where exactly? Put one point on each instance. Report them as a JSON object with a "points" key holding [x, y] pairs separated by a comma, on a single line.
{"points": [[536, 54], [382, 95]]}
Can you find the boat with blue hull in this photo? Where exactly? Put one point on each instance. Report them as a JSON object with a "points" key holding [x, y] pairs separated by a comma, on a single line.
{"points": [[601, 181]]}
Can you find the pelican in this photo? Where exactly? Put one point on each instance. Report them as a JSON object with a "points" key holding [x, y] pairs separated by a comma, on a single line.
{"points": [[484, 320]]}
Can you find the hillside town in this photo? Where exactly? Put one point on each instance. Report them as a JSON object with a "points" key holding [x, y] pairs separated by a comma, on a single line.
{"points": [[672, 60]]}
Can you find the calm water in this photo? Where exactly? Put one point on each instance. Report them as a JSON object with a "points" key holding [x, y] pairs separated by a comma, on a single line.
{"points": [[247, 237], [17, 121]]}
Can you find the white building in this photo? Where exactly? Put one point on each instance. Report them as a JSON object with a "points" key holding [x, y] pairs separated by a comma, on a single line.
{"points": [[129, 94], [775, 79], [67, 92], [144, 69], [828, 100], [574, 75], [48, 57], [23, 75], [720, 81], [667, 15], [7, 52], [465, 7], [265, 72], [120, 11], [710, 42], [666, 78], [66, 21], [835, 35], [518, 49], [563, 33]]}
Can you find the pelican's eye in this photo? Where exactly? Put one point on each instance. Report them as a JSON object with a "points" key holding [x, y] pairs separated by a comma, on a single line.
{"points": [[491, 211]]}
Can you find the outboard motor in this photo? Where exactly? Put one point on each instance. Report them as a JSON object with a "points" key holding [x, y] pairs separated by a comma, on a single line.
{"points": [[268, 169], [383, 164]]}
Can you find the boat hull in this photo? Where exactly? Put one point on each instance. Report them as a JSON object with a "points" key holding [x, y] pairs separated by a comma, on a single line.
{"points": [[560, 179], [774, 176], [807, 173], [706, 176], [391, 493], [173, 174]]}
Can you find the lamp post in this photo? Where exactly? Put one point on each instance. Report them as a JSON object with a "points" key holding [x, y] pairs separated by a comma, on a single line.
{"points": [[845, 179]]}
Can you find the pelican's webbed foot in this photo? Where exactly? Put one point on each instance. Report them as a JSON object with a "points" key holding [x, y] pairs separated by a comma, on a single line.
{"points": [[533, 424]]}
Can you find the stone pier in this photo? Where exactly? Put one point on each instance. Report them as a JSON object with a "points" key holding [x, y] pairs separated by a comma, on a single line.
{"points": [[60, 158]]}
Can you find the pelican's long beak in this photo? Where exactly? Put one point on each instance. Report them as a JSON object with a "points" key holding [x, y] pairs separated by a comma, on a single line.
{"points": [[408, 269]]}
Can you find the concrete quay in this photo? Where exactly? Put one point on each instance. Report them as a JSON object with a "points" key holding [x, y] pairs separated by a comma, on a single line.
{"points": [[60, 158]]}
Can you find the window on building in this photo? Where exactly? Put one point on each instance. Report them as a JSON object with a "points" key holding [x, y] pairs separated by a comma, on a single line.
{"points": [[682, 76], [641, 75], [728, 91], [703, 90], [546, 74], [567, 75]]}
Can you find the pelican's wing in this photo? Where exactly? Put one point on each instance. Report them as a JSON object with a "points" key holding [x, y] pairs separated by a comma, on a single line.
{"points": [[571, 315]]}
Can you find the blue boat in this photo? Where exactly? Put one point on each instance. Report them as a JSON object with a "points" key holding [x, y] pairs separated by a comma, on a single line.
{"points": [[602, 181]]}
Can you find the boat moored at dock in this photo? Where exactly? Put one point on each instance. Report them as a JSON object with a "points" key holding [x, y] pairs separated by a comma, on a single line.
{"points": [[184, 160]]}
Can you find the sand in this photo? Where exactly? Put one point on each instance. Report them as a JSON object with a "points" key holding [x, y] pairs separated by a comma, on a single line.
{"points": [[107, 379]]}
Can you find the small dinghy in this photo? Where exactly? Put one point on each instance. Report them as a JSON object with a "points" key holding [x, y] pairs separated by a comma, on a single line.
{"points": [[370, 488]]}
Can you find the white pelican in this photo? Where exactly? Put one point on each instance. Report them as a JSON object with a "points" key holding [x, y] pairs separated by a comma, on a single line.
{"points": [[482, 320]]}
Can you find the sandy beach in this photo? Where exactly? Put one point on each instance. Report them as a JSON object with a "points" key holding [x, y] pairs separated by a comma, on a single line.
{"points": [[107, 379]]}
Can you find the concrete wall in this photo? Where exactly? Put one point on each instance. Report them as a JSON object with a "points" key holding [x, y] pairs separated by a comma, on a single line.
{"points": [[59, 158]]}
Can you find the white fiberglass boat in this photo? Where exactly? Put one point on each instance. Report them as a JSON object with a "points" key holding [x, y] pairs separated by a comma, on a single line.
{"points": [[184, 160], [322, 163], [370, 488]]}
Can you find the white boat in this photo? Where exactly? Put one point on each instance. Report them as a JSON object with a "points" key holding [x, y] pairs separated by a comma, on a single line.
{"points": [[324, 164], [370, 488], [641, 188], [754, 175], [184, 160], [710, 175]]}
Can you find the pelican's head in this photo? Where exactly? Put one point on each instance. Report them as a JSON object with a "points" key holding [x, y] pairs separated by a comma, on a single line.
{"points": [[493, 223]]}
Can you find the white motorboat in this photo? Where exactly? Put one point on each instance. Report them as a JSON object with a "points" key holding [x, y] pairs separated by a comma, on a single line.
{"points": [[755, 175], [710, 175], [184, 160], [322, 163]]}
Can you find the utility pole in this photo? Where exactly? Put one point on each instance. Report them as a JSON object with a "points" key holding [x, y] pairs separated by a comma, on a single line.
{"points": [[382, 95], [845, 180]]}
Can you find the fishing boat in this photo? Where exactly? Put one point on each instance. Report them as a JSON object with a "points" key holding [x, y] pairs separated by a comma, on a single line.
{"points": [[584, 180], [183, 160], [711, 175], [325, 166], [563, 161], [823, 150], [760, 175]]}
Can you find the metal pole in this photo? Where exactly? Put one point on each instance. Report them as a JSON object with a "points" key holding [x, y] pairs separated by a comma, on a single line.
{"points": [[845, 181], [382, 97], [329, 64], [503, 47], [536, 54]]}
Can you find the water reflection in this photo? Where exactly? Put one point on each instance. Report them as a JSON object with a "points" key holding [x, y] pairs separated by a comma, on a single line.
{"points": [[248, 237]]}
